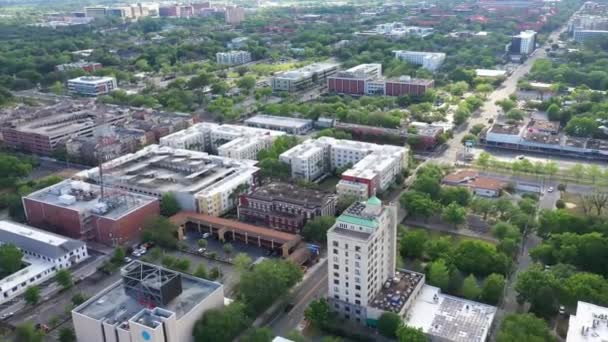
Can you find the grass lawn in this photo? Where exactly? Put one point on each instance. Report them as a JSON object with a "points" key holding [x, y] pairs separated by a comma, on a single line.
{"points": [[573, 203], [434, 234]]}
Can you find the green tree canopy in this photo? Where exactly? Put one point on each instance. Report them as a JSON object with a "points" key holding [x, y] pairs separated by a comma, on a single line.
{"points": [[439, 274], [524, 327], [161, 231], [412, 244], [169, 205], [388, 323], [493, 287], [409, 334], [10, 259], [316, 229], [221, 325]]}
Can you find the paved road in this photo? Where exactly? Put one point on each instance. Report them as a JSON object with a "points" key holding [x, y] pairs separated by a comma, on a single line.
{"points": [[315, 286], [49, 287]]}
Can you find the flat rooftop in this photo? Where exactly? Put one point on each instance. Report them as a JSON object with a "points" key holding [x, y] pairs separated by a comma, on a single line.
{"points": [[450, 318], [499, 128], [291, 193], [396, 291], [164, 169], [114, 306], [34, 266], [307, 71], [279, 121], [36, 240], [65, 123], [590, 324], [490, 72], [92, 79], [86, 198]]}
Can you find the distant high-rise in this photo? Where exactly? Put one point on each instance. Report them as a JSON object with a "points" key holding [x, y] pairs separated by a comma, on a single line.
{"points": [[234, 15], [524, 43]]}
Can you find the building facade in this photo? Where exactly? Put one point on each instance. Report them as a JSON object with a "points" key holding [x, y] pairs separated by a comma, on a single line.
{"points": [[232, 141], [233, 57], [44, 254], [524, 43], [288, 125], [234, 15], [78, 210], [303, 78], [199, 181], [589, 324], [85, 66], [92, 85], [581, 36], [369, 168], [149, 303], [362, 247], [428, 60], [285, 207]]}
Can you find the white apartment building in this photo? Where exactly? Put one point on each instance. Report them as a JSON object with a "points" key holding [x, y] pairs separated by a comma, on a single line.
{"points": [[44, 253], [362, 247], [371, 167], [303, 78], [237, 57], [524, 43], [429, 60], [92, 85], [233, 141], [590, 324]]}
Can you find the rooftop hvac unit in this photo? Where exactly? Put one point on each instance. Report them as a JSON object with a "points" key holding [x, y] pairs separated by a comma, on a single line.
{"points": [[67, 199]]}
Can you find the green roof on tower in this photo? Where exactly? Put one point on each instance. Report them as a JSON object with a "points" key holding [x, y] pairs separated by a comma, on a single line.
{"points": [[374, 201]]}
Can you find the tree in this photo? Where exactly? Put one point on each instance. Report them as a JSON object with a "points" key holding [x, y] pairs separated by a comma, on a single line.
{"points": [[515, 114], [455, 194], [26, 332], [524, 327], [201, 272], [67, 335], [32, 295], [228, 248], [246, 83], [482, 206], [506, 104], [539, 288], [169, 205], [57, 88], [439, 248], [427, 184], [439, 274], [259, 335], [584, 127], [78, 299], [10, 259], [484, 89], [388, 323], [480, 258], [454, 214], [241, 262], [459, 88], [502, 230], [316, 229], [161, 231], [470, 288], [409, 334], [493, 287], [270, 279], [413, 242], [318, 313], [64, 278], [551, 168], [221, 325], [118, 256], [202, 243], [483, 160], [418, 204], [553, 112]]}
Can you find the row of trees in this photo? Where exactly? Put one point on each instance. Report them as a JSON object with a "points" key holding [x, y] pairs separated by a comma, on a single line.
{"points": [[258, 289]]}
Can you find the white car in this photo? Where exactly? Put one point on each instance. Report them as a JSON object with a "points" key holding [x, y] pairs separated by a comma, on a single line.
{"points": [[128, 260], [550, 189], [206, 235], [7, 315]]}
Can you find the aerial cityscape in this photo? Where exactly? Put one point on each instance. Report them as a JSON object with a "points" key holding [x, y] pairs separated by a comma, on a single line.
{"points": [[304, 171]]}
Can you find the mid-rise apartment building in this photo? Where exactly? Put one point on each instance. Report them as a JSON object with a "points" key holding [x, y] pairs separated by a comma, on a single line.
{"points": [[233, 141], [428, 60], [85, 66], [524, 43], [285, 207], [370, 168], [92, 85], [581, 36], [233, 57], [303, 78]]}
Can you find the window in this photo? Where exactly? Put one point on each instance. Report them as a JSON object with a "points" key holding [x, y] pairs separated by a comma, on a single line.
{"points": [[336, 282], [336, 274], [335, 251], [337, 297], [358, 302], [358, 249], [357, 280], [336, 267], [347, 309], [335, 243], [357, 287]]}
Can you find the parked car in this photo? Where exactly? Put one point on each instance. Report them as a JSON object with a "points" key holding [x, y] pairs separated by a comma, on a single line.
{"points": [[206, 235], [550, 189], [202, 250], [562, 310], [7, 315], [128, 260]]}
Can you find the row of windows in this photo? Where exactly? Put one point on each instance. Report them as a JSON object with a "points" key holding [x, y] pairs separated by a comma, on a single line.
{"points": [[337, 244]]}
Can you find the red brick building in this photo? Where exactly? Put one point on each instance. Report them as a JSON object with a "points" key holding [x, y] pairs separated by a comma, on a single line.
{"points": [[76, 209]]}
